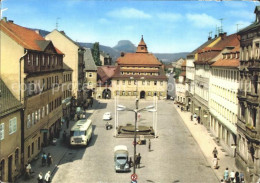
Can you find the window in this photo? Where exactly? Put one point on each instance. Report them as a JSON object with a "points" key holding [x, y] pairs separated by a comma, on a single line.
{"points": [[48, 60], [28, 151], [161, 83], [32, 118], [117, 82], [37, 60], [148, 82], [123, 93], [2, 131], [47, 109], [143, 82], [43, 60], [129, 82], [12, 125], [90, 83], [32, 148], [2, 168], [28, 121], [43, 111], [149, 93], [117, 93], [155, 82], [123, 82], [129, 93], [90, 75], [39, 114], [36, 116], [16, 157]]}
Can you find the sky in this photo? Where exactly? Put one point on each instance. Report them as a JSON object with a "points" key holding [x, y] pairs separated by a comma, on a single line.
{"points": [[167, 26]]}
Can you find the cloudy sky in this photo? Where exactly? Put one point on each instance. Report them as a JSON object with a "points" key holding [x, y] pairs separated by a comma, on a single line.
{"points": [[167, 26]]}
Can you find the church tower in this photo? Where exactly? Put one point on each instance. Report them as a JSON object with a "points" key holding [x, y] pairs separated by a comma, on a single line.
{"points": [[142, 48]]}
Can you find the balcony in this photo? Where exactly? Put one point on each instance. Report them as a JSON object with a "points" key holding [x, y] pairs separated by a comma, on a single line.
{"points": [[252, 98], [251, 132], [241, 94]]}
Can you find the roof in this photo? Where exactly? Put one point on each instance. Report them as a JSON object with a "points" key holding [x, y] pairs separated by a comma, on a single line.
{"points": [[65, 35], [106, 72], [227, 41], [183, 63], [66, 67], [142, 48], [89, 61], [138, 59], [25, 37], [202, 46], [226, 63], [8, 103]]}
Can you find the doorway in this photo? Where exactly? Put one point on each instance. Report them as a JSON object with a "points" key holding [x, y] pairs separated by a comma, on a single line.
{"points": [[10, 167], [142, 94]]}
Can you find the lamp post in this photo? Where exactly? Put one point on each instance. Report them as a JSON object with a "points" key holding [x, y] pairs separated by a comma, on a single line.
{"points": [[150, 108]]}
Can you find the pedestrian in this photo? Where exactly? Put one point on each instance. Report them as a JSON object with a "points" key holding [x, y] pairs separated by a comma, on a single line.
{"points": [[232, 175], [215, 162], [198, 119], [49, 159], [237, 177], [130, 162], [226, 173], [138, 160], [215, 152], [44, 159], [191, 117], [181, 108], [47, 177], [28, 171], [64, 136], [241, 175], [40, 178], [149, 145]]}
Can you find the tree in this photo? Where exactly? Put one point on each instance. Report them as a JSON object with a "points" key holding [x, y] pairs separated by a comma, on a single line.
{"points": [[96, 54]]}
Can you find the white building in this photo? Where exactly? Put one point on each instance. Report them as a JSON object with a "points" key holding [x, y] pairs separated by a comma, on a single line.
{"points": [[223, 103]]}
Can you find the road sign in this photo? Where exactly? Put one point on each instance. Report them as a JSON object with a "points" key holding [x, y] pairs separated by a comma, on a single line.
{"points": [[134, 177]]}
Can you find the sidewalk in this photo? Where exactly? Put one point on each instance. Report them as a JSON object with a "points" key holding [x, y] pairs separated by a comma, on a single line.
{"points": [[57, 152], [207, 144]]}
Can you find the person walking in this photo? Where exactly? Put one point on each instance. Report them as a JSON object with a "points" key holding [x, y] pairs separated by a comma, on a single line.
{"points": [[237, 177], [40, 178], [47, 177], [49, 159], [232, 176], [64, 136], [28, 171], [215, 162], [138, 160], [226, 174], [149, 145], [44, 159], [130, 162], [215, 152], [198, 119]]}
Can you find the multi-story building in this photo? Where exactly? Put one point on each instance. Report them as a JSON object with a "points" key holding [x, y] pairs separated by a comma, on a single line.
{"points": [[207, 56], [32, 69], [190, 73], [139, 74], [10, 134], [105, 58], [223, 102], [181, 86], [91, 74], [74, 58], [248, 125]]}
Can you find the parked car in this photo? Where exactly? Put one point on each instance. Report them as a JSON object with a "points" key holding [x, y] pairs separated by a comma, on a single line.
{"points": [[107, 116]]}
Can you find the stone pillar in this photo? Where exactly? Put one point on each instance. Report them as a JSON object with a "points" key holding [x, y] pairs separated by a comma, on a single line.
{"points": [[258, 119]]}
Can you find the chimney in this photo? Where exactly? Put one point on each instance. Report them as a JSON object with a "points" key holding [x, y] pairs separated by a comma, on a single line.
{"points": [[209, 38], [10, 21], [223, 35], [216, 35], [122, 54], [62, 32], [5, 19]]}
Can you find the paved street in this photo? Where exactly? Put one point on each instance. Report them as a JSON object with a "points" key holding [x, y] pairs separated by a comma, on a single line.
{"points": [[175, 156]]}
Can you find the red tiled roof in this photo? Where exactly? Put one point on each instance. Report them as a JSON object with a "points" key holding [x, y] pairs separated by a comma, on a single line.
{"points": [[236, 49], [139, 70], [138, 59], [226, 63], [25, 37], [183, 63], [106, 72]]}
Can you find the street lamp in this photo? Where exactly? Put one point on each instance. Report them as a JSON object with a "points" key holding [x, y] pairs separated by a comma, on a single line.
{"points": [[149, 108]]}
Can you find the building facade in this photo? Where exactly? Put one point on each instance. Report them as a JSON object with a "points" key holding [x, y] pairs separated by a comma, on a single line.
{"points": [[248, 125], [32, 68], [74, 58], [11, 112], [139, 74], [223, 102], [91, 74], [181, 86]]}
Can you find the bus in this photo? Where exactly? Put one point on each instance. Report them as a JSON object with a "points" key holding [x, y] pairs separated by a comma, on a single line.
{"points": [[81, 132]]}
